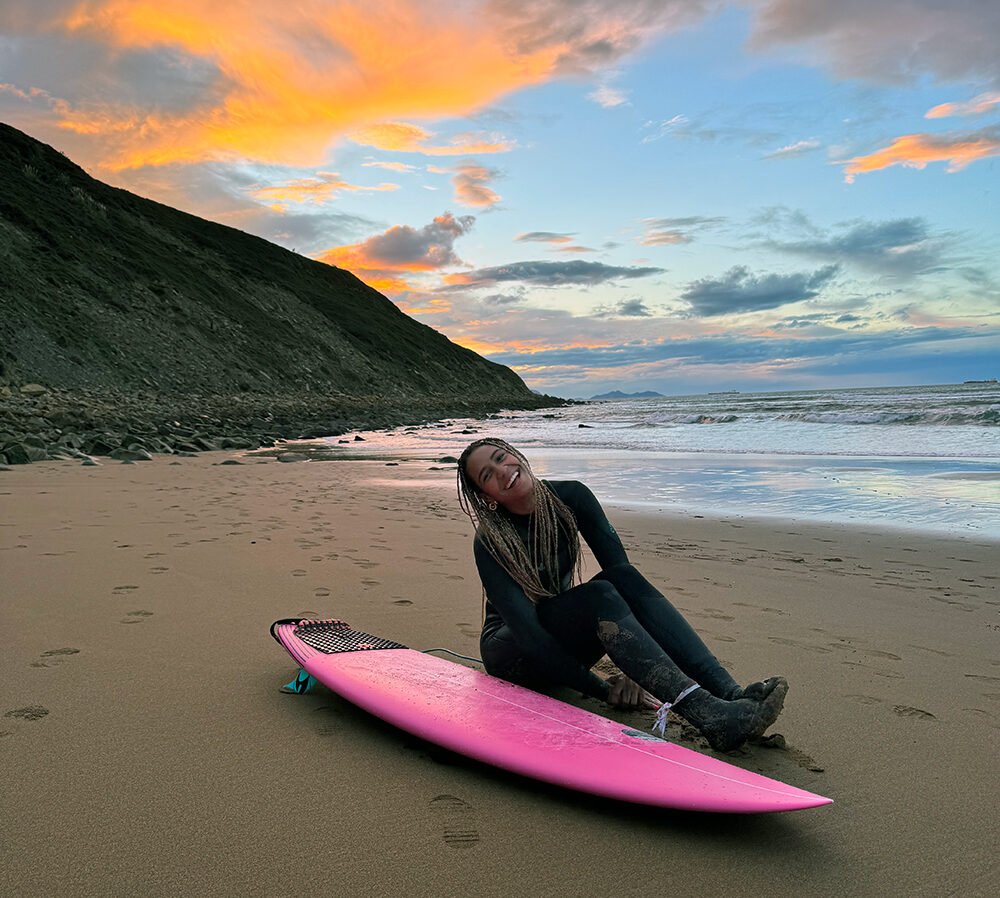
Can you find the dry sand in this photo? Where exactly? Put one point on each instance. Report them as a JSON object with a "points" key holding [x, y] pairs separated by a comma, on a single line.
{"points": [[148, 750]]}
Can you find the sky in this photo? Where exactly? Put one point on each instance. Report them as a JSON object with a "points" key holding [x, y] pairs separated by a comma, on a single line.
{"points": [[671, 195]]}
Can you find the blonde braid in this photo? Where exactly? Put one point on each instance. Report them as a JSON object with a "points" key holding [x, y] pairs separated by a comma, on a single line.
{"points": [[498, 535]]}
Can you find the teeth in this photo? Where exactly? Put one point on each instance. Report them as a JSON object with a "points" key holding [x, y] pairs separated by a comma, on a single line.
{"points": [[513, 477]]}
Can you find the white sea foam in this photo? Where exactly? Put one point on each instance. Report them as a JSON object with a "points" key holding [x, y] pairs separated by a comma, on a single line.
{"points": [[919, 457]]}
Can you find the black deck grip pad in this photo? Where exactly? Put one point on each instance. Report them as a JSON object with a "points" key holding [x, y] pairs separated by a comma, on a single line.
{"points": [[332, 636]]}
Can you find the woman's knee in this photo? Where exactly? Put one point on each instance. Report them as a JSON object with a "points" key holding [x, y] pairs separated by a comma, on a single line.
{"points": [[615, 572], [604, 599]]}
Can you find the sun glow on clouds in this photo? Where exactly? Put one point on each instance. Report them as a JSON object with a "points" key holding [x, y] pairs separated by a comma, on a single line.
{"points": [[382, 260], [916, 150], [293, 77], [326, 185]]}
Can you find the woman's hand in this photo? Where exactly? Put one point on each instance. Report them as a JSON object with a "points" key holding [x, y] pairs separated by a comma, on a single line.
{"points": [[626, 693]]}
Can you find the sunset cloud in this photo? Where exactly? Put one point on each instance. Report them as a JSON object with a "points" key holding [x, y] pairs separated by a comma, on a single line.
{"points": [[391, 166], [470, 182], [976, 106], [325, 186], [916, 150], [280, 83], [381, 260], [404, 138], [672, 231]]}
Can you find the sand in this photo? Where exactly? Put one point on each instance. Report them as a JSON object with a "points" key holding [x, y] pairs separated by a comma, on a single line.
{"points": [[148, 750]]}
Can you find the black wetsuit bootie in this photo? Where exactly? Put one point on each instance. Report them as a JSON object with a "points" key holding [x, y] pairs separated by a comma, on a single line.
{"points": [[757, 692], [727, 725]]}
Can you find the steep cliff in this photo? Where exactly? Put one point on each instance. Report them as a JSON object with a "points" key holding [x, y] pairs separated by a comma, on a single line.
{"points": [[102, 290]]}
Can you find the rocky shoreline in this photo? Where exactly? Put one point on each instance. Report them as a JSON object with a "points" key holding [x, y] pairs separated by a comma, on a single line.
{"points": [[40, 423]]}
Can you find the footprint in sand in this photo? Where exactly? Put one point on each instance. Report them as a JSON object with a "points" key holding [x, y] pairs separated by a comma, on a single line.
{"points": [[54, 657], [457, 821], [866, 699], [907, 711], [158, 570], [402, 602], [136, 617], [801, 645], [321, 593], [29, 712], [122, 590], [326, 724], [298, 573]]}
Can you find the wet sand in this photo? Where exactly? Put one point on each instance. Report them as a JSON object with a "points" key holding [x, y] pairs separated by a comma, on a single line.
{"points": [[148, 749]]}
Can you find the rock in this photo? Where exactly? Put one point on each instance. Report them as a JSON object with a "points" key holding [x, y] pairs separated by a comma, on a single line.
{"points": [[89, 462], [292, 456], [133, 453], [33, 390], [230, 461], [359, 440], [447, 460], [16, 454], [100, 445]]}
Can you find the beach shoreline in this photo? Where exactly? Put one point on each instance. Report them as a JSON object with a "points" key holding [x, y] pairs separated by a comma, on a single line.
{"points": [[153, 752]]}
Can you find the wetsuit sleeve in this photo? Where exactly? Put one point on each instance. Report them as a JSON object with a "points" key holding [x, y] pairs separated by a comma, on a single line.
{"points": [[518, 613], [594, 526]]}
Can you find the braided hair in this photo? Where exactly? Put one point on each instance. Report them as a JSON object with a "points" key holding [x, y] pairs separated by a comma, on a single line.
{"points": [[532, 567]]}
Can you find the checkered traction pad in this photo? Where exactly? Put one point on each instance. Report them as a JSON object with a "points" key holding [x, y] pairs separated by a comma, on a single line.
{"points": [[332, 636]]}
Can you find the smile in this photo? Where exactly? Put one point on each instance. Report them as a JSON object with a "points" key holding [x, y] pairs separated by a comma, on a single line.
{"points": [[513, 477]]}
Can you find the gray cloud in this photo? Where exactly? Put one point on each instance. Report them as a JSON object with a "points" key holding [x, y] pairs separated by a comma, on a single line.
{"points": [[544, 237], [791, 151], [673, 231], [626, 308], [888, 42], [550, 274], [579, 27], [902, 248], [504, 299], [740, 291], [430, 245], [742, 349]]}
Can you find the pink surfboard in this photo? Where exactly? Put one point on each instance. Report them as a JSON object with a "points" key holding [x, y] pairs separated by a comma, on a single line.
{"points": [[511, 727]]}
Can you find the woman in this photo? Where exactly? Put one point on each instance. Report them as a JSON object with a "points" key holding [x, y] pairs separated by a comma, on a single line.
{"points": [[541, 628]]}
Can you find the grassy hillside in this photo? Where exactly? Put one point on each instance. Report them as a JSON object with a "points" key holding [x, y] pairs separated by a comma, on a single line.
{"points": [[104, 290]]}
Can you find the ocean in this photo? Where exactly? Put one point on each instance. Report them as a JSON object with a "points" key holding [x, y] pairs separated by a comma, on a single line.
{"points": [[921, 458]]}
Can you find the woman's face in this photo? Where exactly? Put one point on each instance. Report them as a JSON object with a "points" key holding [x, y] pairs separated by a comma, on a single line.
{"points": [[502, 477]]}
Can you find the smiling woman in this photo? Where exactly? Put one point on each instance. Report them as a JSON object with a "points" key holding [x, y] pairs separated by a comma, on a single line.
{"points": [[539, 628]]}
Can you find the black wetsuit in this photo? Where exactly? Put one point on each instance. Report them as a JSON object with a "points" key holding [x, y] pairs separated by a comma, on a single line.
{"points": [[618, 612]]}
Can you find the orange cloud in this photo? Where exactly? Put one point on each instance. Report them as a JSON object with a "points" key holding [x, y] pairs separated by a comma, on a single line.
{"points": [[470, 185], [293, 77], [916, 150], [401, 137], [324, 186], [975, 106], [379, 259]]}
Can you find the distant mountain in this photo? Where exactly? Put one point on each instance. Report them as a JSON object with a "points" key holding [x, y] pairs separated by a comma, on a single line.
{"points": [[104, 290], [617, 394]]}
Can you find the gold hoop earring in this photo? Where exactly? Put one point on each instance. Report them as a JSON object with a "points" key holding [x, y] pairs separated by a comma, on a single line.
{"points": [[492, 505]]}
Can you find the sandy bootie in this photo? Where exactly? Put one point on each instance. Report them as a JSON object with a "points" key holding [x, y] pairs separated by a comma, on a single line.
{"points": [[728, 724], [757, 692]]}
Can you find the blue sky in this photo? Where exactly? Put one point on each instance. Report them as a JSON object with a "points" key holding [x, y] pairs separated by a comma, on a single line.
{"points": [[640, 195]]}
